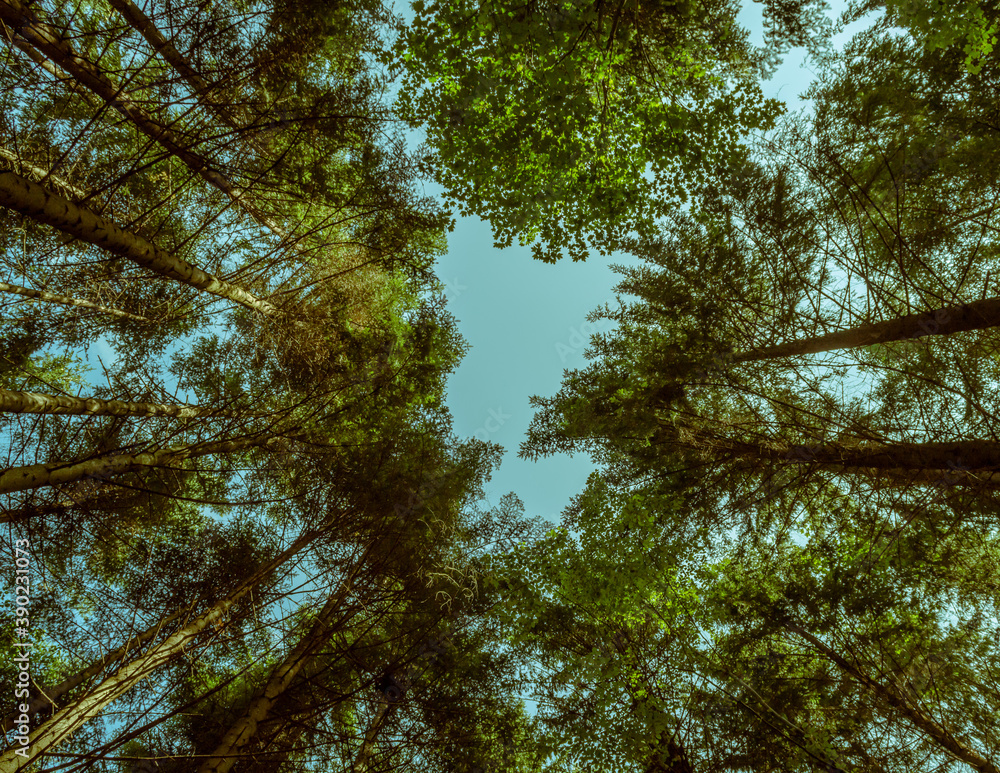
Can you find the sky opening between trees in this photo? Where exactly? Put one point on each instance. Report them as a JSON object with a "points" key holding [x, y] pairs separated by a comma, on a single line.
{"points": [[252, 538]]}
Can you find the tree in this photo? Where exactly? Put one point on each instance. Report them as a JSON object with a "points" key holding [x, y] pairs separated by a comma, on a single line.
{"points": [[545, 118]]}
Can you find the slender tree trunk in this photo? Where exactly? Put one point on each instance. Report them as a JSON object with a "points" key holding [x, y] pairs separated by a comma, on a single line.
{"points": [[35, 511], [34, 402], [49, 696], [66, 80], [103, 467], [239, 735], [57, 730], [961, 456], [977, 315], [34, 201], [368, 746], [163, 47], [985, 480], [41, 174], [66, 300], [898, 700], [59, 50]]}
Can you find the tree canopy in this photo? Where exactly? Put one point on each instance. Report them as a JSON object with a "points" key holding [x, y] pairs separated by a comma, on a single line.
{"points": [[253, 540]]}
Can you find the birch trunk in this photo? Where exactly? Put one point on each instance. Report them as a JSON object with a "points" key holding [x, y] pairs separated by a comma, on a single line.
{"points": [[239, 735], [164, 48], [48, 736], [41, 174], [59, 50], [34, 201], [978, 315], [898, 700], [66, 300], [103, 467], [66, 80], [48, 696], [34, 402]]}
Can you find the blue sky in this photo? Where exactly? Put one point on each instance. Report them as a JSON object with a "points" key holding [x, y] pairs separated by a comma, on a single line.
{"points": [[526, 323]]}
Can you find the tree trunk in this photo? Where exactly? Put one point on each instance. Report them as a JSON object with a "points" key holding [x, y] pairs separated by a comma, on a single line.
{"points": [[985, 480], [71, 85], [34, 402], [34, 201], [960, 456], [103, 467], [365, 752], [65, 300], [50, 695], [159, 43], [898, 700], [35, 511], [57, 730], [59, 50], [977, 315], [239, 735], [42, 174]]}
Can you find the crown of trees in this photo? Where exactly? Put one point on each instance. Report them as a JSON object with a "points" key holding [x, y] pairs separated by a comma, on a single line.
{"points": [[257, 545]]}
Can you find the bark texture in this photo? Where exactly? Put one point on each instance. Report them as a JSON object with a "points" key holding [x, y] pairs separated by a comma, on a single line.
{"points": [[34, 201], [957, 460], [239, 735], [164, 48], [107, 466], [368, 745], [52, 43], [66, 300], [50, 696], [948, 320], [897, 699], [34, 402], [48, 736], [41, 174]]}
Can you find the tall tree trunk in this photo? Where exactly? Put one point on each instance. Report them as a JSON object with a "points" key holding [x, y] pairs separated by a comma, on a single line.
{"points": [[162, 46], [57, 730], [67, 80], [66, 300], [49, 696], [368, 746], [963, 456], [35, 511], [42, 174], [34, 201], [977, 315], [895, 698], [34, 402], [59, 50], [240, 734], [901, 479], [106, 466]]}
